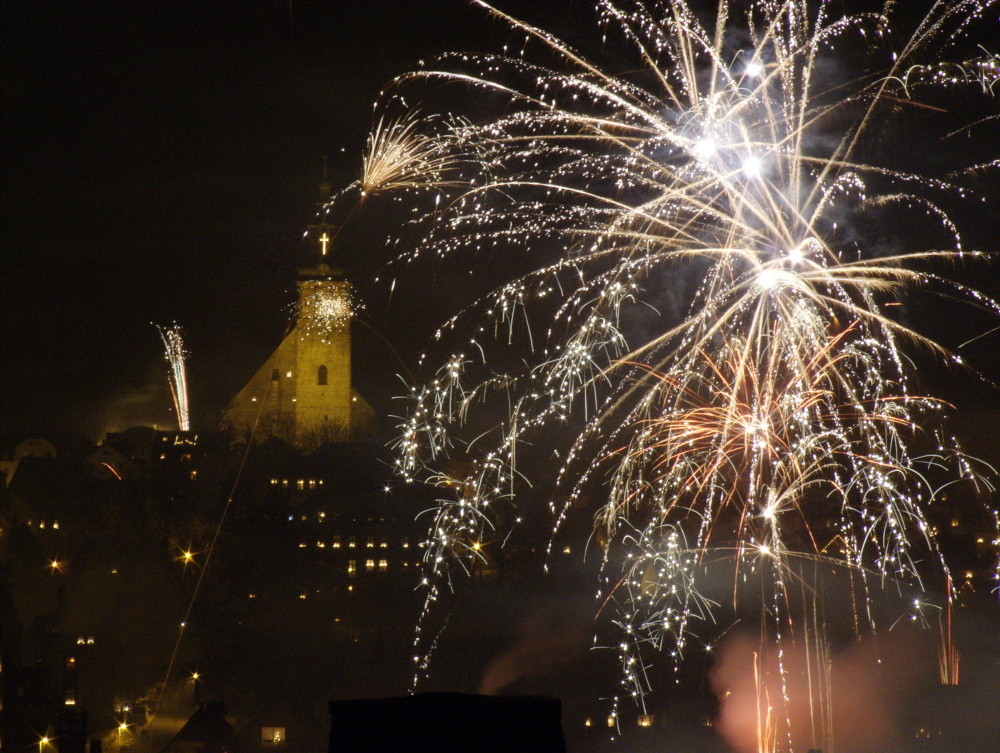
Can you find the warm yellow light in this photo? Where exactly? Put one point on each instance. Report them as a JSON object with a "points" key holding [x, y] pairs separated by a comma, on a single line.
{"points": [[188, 556], [195, 675]]}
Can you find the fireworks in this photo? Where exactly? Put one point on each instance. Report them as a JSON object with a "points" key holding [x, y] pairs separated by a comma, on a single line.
{"points": [[173, 343], [325, 307], [704, 300]]}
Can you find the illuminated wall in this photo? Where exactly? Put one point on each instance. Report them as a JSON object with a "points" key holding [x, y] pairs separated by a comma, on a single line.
{"points": [[302, 394]]}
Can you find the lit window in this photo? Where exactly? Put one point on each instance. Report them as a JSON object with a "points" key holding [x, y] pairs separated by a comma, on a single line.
{"points": [[336, 542], [321, 544], [352, 543], [70, 662], [566, 550], [272, 735], [41, 524], [274, 481], [612, 720], [645, 720], [352, 567], [587, 722], [405, 544], [55, 524], [300, 484], [312, 483], [284, 482], [194, 475], [370, 543], [70, 697], [383, 544], [369, 564], [383, 565], [288, 374]]}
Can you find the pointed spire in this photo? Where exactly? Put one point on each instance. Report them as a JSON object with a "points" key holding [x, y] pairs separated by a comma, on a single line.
{"points": [[325, 187]]}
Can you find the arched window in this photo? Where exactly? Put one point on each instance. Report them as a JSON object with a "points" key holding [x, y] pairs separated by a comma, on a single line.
{"points": [[321, 378]]}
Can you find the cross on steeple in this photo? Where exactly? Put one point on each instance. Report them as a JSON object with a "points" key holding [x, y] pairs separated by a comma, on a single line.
{"points": [[324, 239]]}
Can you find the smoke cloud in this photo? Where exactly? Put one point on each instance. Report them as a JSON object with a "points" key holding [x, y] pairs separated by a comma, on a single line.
{"points": [[867, 685], [544, 641]]}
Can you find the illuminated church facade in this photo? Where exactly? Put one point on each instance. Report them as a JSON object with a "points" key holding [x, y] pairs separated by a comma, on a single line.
{"points": [[303, 393]]}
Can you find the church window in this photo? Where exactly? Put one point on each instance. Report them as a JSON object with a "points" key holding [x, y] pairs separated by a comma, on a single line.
{"points": [[369, 564], [352, 567], [275, 375], [321, 378], [300, 484], [383, 565]]}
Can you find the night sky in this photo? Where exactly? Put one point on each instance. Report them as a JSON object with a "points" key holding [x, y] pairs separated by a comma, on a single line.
{"points": [[161, 162]]}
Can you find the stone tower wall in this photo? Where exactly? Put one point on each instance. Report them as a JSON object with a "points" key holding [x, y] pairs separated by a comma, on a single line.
{"points": [[323, 342]]}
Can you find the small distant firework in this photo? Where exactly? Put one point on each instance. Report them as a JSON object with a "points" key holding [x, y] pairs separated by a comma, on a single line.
{"points": [[404, 154], [771, 423], [400, 155], [173, 343], [325, 307]]}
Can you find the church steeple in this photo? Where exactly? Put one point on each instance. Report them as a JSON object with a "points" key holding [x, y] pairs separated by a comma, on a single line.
{"points": [[321, 234]]}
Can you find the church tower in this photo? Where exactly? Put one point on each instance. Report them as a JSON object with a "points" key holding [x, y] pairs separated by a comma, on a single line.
{"points": [[303, 393]]}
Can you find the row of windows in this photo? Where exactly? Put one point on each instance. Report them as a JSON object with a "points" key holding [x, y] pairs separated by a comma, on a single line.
{"points": [[370, 566], [41, 524], [321, 375], [352, 544], [301, 483]]}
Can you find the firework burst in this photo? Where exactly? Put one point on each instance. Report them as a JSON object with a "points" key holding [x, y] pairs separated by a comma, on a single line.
{"points": [[770, 422]]}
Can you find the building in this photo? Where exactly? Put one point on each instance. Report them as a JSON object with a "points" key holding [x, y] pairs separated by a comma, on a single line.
{"points": [[303, 393]]}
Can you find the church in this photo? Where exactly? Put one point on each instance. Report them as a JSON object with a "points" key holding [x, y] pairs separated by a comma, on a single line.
{"points": [[303, 394]]}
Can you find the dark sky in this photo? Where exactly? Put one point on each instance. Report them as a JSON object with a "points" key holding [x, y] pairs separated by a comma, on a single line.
{"points": [[160, 163]]}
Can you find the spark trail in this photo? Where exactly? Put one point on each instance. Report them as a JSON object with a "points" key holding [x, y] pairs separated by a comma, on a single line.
{"points": [[173, 344]]}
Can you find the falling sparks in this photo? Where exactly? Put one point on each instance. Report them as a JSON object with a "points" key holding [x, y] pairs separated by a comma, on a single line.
{"points": [[770, 423], [325, 307], [173, 343]]}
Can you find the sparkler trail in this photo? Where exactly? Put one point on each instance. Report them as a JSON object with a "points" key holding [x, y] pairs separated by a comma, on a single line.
{"points": [[173, 343], [773, 423]]}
